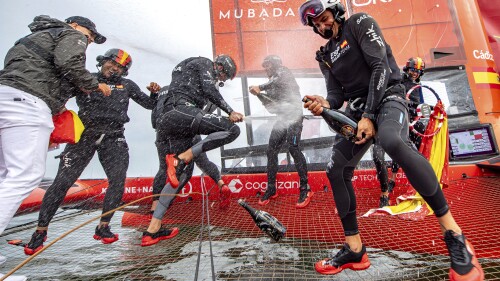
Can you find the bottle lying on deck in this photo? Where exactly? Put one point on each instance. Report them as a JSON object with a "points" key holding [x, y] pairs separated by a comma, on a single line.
{"points": [[267, 223]]}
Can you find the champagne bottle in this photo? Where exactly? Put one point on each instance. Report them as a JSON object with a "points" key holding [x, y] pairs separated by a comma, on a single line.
{"points": [[339, 122], [267, 223]]}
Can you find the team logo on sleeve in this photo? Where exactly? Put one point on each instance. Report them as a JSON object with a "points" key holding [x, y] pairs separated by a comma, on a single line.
{"points": [[374, 36]]}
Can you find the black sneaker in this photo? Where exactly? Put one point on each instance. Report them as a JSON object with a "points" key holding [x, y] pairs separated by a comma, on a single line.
{"points": [[149, 238], [36, 242], [345, 258], [384, 201], [304, 197], [268, 195], [391, 185], [464, 264], [104, 234]]}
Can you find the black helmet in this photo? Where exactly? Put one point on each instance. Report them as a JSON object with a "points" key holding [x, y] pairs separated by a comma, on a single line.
{"points": [[119, 56], [272, 60], [313, 8], [416, 64], [228, 66]]}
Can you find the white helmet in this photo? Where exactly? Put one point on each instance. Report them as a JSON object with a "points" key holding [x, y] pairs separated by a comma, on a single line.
{"points": [[313, 8]]}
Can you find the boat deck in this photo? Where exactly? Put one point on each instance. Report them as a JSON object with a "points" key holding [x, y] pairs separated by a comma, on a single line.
{"points": [[216, 244]]}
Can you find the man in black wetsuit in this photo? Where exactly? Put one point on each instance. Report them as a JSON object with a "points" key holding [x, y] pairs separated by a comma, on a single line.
{"points": [[104, 119], [182, 118], [202, 161], [282, 97], [358, 62]]}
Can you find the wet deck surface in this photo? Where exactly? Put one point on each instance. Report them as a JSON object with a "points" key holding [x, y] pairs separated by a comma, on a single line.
{"points": [[231, 245]]}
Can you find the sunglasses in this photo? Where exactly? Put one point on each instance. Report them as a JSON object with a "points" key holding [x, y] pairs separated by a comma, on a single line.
{"points": [[310, 9], [412, 69]]}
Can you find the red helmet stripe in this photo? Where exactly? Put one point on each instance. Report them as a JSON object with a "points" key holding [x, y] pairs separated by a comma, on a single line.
{"points": [[123, 58]]}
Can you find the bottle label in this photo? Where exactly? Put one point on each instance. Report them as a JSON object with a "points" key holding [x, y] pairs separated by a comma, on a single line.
{"points": [[347, 131]]}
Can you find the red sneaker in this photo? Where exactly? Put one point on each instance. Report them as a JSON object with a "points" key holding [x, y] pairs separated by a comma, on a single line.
{"points": [[175, 168], [345, 258], [225, 196], [149, 239], [270, 193], [305, 197], [464, 264], [36, 242], [104, 234]]}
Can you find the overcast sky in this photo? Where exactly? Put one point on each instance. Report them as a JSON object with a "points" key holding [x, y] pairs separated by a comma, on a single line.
{"points": [[157, 34]]}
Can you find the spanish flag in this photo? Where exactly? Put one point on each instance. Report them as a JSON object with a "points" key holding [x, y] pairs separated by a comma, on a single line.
{"points": [[68, 128], [434, 147], [486, 77]]}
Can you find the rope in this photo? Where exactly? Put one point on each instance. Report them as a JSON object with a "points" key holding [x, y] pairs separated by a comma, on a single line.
{"points": [[117, 209], [83, 201], [78, 227]]}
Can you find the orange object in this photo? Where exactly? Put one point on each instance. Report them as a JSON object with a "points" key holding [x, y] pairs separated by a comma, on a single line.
{"points": [[68, 128]]}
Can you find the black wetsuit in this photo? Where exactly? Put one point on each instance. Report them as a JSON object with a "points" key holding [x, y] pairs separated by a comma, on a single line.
{"points": [[359, 63], [104, 119], [282, 97], [182, 117], [201, 161], [378, 153]]}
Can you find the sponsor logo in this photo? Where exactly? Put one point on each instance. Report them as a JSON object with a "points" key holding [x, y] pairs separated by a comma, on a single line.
{"points": [[373, 177], [213, 115], [133, 189], [279, 185], [263, 13], [119, 87], [186, 190], [482, 55], [374, 36], [163, 93], [361, 3], [255, 13], [341, 49], [382, 80], [358, 21], [235, 186]]}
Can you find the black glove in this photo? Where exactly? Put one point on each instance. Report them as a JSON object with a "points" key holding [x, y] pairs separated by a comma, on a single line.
{"points": [[320, 54]]}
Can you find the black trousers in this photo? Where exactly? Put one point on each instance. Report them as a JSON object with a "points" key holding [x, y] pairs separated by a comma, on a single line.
{"points": [[178, 129], [392, 135], [113, 155], [289, 133], [201, 161]]}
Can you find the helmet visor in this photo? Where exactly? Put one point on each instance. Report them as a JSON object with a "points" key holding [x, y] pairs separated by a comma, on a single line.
{"points": [[311, 9]]}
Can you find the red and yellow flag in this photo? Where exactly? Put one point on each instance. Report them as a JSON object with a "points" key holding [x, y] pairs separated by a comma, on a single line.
{"points": [[68, 128], [486, 77]]}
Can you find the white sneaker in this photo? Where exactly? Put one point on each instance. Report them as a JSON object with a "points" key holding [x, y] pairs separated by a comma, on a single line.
{"points": [[15, 277], [2, 259]]}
